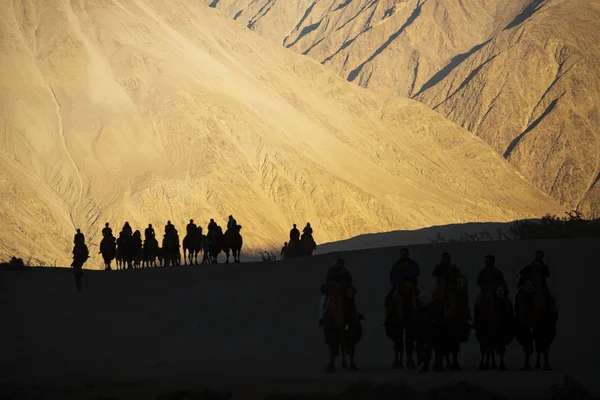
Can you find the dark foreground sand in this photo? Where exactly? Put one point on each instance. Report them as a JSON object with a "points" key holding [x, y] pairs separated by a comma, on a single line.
{"points": [[252, 328]]}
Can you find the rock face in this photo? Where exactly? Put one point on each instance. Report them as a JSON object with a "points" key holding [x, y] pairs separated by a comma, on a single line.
{"points": [[145, 110], [522, 74], [533, 93]]}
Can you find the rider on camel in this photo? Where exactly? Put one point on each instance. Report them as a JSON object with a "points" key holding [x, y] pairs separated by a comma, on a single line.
{"points": [[191, 227], [307, 229], [211, 225], [106, 231], [169, 229], [294, 234], [541, 268], [127, 229], [231, 223], [443, 272], [149, 232], [336, 274], [283, 249], [445, 269], [404, 268], [79, 238], [488, 277]]}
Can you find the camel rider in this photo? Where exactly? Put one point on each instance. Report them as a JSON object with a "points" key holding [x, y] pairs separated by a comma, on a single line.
{"points": [[191, 227], [539, 267], [307, 229], [283, 249], [337, 274], [445, 269], [137, 239], [404, 268], [488, 277], [127, 229], [443, 272], [294, 234], [169, 228], [231, 223], [106, 231], [149, 232], [79, 238], [211, 225]]}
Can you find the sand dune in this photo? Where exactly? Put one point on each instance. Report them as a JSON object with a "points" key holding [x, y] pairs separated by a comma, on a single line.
{"points": [[144, 111], [233, 326]]}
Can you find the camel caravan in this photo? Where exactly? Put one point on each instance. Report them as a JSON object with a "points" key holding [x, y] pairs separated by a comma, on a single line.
{"points": [[130, 251], [432, 328], [299, 246]]}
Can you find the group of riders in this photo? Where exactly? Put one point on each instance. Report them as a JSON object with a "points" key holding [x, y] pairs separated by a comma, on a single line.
{"points": [[299, 245], [130, 251], [433, 326]]}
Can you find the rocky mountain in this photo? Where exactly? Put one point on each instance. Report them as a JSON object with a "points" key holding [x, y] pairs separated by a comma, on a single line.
{"points": [[521, 74], [145, 110]]}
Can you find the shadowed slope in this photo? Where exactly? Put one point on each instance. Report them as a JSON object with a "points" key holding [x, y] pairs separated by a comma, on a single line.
{"points": [[257, 323]]}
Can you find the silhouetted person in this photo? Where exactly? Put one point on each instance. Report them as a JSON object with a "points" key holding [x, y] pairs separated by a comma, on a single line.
{"points": [[307, 229], [405, 267], [337, 274], [127, 231], [80, 256], [191, 227], [231, 223], [539, 267], [283, 250], [169, 228], [445, 269], [488, 277], [149, 232], [106, 231], [79, 238], [294, 234], [211, 225]]}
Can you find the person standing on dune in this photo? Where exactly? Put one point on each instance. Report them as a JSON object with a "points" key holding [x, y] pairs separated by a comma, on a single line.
{"points": [[80, 256]]}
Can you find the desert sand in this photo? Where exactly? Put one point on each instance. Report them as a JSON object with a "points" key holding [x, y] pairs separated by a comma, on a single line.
{"points": [[144, 111], [138, 331]]}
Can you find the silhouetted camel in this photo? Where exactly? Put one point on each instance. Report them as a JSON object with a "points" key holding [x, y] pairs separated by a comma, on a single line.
{"points": [[192, 245], [233, 241]]}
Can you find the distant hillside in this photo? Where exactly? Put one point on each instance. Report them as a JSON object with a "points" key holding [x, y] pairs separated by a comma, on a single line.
{"points": [[147, 111]]}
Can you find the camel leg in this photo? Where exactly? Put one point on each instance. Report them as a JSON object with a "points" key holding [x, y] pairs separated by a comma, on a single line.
{"points": [[455, 365], [343, 353], [351, 352], [547, 366], [331, 365], [538, 364], [493, 357], [399, 349], [410, 346], [484, 363], [501, 353]]}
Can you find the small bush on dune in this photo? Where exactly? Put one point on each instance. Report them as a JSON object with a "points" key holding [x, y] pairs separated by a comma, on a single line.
{"points": [[268, 256], [572, 225]]}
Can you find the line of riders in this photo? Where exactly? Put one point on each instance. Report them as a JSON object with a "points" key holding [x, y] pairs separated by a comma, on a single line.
{"points": [[131, 252], [434, 326], [298, 245]]}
